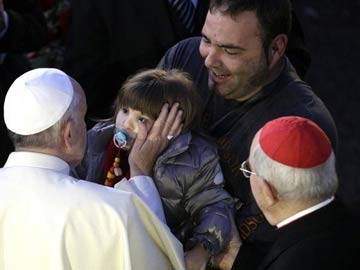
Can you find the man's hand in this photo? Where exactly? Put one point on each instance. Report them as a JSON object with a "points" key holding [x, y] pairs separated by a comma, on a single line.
{"points": [[197, 258], [225, 259], [148, 146]]}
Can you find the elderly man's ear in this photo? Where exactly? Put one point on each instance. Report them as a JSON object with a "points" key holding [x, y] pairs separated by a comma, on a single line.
{"points": [[269, 193], [68, 134]]}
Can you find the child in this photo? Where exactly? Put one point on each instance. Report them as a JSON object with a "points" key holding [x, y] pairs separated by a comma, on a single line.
{"points": [[187, 173]]}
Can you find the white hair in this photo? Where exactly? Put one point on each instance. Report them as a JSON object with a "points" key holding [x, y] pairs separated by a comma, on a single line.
{"points": [[297, 184]]}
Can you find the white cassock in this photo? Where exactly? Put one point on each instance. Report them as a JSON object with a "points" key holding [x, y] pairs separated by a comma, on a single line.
{"points": [[50, 220]]}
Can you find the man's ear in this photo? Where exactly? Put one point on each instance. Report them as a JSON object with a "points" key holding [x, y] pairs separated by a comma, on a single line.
{"points": [[269, 193], [68, 134], [277, 49]]}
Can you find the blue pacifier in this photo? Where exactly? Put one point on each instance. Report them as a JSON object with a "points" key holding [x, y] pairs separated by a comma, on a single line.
{"points": [[120, 138]]}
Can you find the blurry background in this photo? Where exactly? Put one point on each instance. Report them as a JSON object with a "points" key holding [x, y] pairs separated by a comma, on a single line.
{"points": [[332, 34]]}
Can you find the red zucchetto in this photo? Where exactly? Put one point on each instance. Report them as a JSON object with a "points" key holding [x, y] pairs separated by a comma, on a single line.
{"points": [[295, 141]]}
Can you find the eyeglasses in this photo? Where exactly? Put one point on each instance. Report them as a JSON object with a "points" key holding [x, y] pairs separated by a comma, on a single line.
{"points": [[245, 168]]}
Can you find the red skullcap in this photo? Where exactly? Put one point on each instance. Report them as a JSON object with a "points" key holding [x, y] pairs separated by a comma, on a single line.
{"points": [[295, 141]]}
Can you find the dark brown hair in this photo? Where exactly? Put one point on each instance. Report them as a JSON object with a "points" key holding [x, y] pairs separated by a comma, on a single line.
{"points": [[274, 16], [148, 90]]}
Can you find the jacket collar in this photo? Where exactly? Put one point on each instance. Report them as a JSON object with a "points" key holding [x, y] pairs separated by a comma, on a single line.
{"points": [[179, 145], [287, 75], [304, 227]]}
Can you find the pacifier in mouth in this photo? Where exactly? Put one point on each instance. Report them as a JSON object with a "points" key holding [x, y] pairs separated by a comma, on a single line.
{"points": [[120, 138]]}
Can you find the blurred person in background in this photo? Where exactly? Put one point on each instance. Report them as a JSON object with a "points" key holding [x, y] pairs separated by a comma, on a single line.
{"points": [[22, 29], [109, 40]]}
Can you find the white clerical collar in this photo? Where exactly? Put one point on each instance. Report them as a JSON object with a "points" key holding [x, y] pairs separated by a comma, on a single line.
{"points": [[304, 212], [39, 160]]}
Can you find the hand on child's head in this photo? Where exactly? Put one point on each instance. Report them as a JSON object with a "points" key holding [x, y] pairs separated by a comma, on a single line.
{"points": [[150, 143]]}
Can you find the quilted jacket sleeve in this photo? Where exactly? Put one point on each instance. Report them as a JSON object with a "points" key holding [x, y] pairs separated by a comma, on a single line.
{"points": [[209, 204]]}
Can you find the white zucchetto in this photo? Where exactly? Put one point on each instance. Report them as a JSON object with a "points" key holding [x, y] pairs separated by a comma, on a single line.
{"points": [[37, 100]]}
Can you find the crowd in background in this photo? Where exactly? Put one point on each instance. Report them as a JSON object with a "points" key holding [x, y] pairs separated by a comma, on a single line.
{"points": [[102, 44]]}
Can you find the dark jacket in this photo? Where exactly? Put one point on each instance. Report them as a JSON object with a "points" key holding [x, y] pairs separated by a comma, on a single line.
{"points": [[190, 183], [325, 239]]}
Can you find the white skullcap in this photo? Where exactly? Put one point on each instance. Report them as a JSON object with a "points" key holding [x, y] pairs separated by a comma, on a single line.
{"points": [[37, 100]]}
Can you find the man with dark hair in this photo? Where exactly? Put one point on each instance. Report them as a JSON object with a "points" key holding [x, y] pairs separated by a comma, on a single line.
{"points": [[245, 79]]}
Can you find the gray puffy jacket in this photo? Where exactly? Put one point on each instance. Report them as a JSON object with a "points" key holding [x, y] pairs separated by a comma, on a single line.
{"points": [[190, 183]]}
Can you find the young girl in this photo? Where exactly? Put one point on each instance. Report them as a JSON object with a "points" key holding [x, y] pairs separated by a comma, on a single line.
{"points": [[187, 174]]}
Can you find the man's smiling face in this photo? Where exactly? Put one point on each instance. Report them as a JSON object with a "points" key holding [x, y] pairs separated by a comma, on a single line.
{"points": [[234, 55]]}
